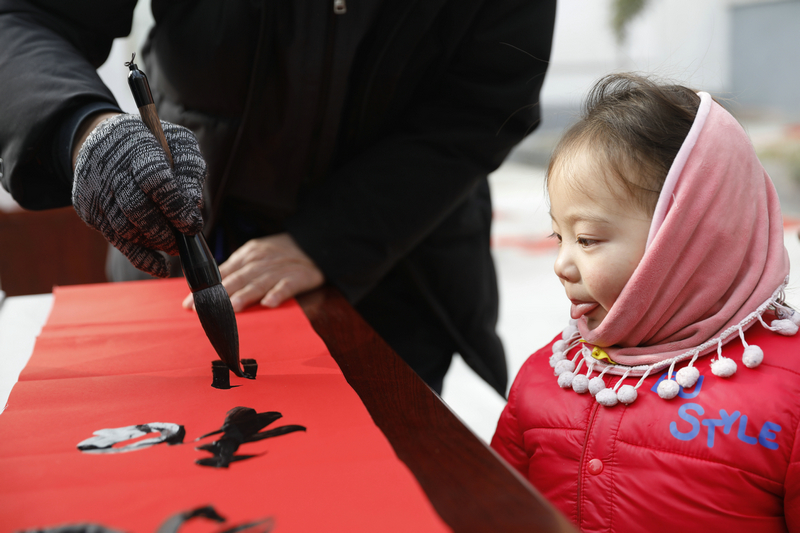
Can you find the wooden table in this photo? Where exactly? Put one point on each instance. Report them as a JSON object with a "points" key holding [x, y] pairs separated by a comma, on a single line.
{"points": [[39, 249], [469, 485]]}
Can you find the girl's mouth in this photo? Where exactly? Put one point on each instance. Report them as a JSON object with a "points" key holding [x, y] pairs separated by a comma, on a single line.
{"points": [[578, 309]]}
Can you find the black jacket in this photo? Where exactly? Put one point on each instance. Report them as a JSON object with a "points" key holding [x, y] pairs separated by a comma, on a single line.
{"points": [[436, 94]]}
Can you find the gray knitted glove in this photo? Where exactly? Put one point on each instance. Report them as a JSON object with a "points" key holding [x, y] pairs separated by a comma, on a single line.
{"points": [[124, 188]]}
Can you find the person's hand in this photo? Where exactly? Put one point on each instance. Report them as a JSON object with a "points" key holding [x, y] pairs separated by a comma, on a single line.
{"points": [[124, 188], [268, 270]]}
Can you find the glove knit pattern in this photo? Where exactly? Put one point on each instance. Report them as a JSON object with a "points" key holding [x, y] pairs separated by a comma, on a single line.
{"points": [[124, 188]]}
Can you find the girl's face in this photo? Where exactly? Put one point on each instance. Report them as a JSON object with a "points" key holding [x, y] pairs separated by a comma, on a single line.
{"points": [[601, 234]]}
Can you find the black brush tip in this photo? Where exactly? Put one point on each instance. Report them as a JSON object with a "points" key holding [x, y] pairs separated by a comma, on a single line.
{"points": [[216, 315]]}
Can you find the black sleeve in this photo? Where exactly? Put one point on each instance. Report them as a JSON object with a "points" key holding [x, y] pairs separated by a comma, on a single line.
{"points": [[49, 53], [65, 136], [378, 207]]}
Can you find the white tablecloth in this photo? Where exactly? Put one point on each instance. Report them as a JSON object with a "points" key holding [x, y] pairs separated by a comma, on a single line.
{"points": [[21, 320]]}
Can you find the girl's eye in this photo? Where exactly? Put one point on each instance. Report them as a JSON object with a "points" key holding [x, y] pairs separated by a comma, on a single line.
{"points": [[555, 235], [583, 241]]}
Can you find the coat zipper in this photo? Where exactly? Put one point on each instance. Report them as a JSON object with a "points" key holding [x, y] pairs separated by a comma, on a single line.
{"points": [[339, 7], [583, 460]]}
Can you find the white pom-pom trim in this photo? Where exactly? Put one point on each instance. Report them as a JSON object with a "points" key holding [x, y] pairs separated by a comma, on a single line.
{"points": [[686, 377], [565, 365], [723, 367], [627, 394], [596, 385], [784, 327], [580, 383], [668, 389], [752, 356], [787, 323], [559, 346], [569, 332], [607, 398], [788, 314], [565, 379], [556, 357]]}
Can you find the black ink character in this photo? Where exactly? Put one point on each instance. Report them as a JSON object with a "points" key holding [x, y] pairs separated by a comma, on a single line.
{"points": [[73, 528], [250, 368], [171, 525], [105, 439], [221, 375], [242, 425]]}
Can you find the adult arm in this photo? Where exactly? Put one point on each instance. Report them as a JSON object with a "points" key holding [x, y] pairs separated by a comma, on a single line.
{"points": [[123, 184], [49, 53]]}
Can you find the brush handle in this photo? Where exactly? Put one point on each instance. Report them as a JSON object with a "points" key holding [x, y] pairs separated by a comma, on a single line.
{"points": [[198, 264], [197, 261], [199, 267], [140, 88], [150, 119]]}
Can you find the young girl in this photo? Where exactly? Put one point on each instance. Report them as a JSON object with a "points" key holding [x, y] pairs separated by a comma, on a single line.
{"points": [[661, 415]]}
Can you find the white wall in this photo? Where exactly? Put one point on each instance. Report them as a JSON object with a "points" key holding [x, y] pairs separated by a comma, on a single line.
{"points": [[113, 72], [682, 40]]}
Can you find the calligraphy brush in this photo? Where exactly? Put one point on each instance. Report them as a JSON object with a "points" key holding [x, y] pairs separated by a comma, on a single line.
{"points": [[211, 300]]}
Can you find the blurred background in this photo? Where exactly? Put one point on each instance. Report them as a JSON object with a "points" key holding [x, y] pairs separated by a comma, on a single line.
{"points": [[744, 52]]}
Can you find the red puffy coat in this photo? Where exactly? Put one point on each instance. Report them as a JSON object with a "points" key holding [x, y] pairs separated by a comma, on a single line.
{"points": [[719, 457]]}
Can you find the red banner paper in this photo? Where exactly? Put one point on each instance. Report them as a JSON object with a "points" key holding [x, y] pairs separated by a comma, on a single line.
{"points": [[116, 356]]}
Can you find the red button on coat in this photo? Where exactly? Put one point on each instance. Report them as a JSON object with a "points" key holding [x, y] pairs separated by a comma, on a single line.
{"points": [[595, 466]]}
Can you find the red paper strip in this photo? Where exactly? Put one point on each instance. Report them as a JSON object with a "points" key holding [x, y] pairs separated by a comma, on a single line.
{"points": [[119, 355]]}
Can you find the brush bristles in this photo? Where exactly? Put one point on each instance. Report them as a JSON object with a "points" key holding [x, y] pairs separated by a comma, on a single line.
{"points": [[219, 322]]}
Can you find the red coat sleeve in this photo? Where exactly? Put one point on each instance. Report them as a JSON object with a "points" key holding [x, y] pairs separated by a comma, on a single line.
{"points": [[791, 498], [508, 440]]}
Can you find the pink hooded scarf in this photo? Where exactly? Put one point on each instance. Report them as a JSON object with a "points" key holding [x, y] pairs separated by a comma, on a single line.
{"points": [[714, 254]]}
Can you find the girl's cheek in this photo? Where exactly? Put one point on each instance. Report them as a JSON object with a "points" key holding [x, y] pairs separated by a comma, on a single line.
{"points": [[608, 286]]}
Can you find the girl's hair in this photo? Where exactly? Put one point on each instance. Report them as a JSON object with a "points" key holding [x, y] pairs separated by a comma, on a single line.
{"points": [[633, 128]]}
